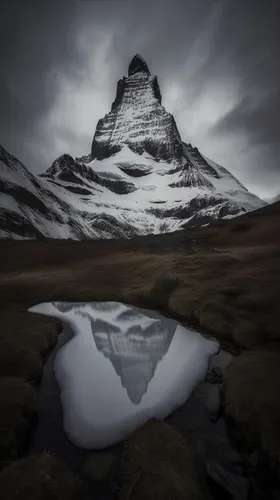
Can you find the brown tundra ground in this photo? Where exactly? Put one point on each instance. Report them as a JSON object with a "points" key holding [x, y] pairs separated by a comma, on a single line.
{"points": [[223, 280]]}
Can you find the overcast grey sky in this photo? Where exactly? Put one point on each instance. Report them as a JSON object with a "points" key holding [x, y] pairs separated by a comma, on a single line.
{"points": [[217, 63]]}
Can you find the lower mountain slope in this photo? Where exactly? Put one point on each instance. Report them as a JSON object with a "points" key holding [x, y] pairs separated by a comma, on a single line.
{"points": [[126, 195]]}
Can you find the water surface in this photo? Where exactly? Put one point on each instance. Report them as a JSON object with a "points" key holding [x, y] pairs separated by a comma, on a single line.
{"points": [[123, 366]]}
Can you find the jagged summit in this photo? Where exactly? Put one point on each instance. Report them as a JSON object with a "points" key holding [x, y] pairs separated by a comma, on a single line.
{"points": [[137, 119], [138, 65]]}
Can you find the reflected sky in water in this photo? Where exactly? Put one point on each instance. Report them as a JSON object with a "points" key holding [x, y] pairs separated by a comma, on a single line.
{"points": [[122, 366]]}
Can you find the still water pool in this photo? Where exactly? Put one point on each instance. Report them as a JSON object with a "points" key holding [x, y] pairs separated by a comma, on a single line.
{"points": [[122, 366]]}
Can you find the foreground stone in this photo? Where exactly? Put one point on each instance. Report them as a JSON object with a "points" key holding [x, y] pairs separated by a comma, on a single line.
{"points": [[38, 477], [215, 376], [17, 401], [252, 407], [159, 463], [229, 482], [19, 362], [214, 402]]}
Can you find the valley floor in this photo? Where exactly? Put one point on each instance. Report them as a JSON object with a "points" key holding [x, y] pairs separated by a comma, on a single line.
{"points": [[224, 280]]}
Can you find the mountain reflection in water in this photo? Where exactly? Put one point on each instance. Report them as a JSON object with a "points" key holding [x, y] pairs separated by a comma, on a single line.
{"points": [[134, 343], [122, 366]]}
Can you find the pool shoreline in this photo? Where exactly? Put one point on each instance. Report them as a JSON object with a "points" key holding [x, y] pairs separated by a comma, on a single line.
{"points": [[189, 419]]}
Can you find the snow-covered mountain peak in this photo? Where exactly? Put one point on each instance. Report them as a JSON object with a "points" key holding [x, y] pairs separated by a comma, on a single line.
{"points": [[63, 161], [137, 119], [138, 65], [139, 178]]}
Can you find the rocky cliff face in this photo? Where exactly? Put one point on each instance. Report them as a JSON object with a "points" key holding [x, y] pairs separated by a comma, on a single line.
{"points": [[139, 178], [137, 119]]}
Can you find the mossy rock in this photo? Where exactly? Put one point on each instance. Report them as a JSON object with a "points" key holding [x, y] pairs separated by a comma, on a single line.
{"points": [[22, 362], [159, 463], [252, 401], [17, 402], [38, 477]]}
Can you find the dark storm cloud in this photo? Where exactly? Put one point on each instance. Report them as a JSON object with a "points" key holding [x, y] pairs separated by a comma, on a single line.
{"points": [[36, 43], [251, 55], [217, 63], [259, 120], [39, 46]]}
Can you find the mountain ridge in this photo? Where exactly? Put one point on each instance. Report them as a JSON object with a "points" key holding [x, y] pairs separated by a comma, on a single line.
{"points": [[140, 177]]}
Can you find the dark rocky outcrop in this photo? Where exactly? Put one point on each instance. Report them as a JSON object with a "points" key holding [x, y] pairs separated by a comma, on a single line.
{"points": [[149, 129], [159, 463]]}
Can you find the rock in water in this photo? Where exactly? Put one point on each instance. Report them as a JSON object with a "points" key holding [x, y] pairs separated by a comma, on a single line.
{"points": [[228, 480], [215, 376], [214, 402]]}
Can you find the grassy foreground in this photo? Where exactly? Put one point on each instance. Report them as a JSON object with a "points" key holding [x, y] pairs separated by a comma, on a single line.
{"points": [[159, 463], [223, 280], [38, 477]]}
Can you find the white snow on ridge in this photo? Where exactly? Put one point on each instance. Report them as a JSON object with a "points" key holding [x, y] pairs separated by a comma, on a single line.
{"points": [[68, 214]]}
